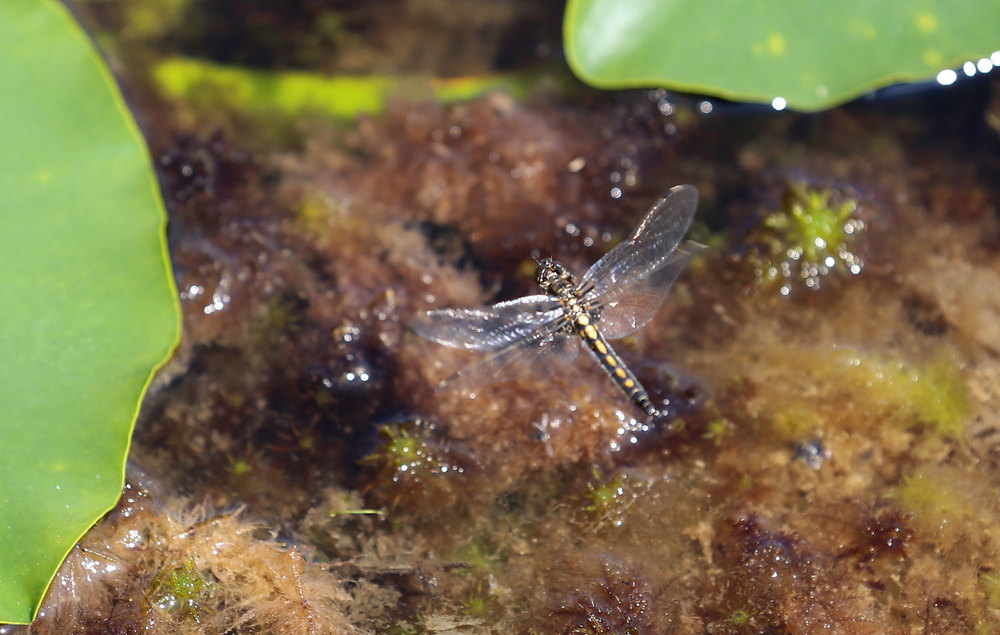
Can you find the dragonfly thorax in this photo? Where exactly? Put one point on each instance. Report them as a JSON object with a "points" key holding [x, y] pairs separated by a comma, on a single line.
{"points": [[559, 283], [553, 278]]}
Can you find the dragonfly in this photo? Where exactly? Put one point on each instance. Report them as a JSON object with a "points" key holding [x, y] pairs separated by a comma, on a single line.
{"points": [[617, 296]]}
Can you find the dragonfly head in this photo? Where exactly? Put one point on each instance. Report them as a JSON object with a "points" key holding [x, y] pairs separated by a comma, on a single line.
{"points": [[552, 276]]}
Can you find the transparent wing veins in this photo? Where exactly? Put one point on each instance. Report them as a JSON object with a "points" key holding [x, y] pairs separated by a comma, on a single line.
{"points": [[628, 307], [525, 354], [492, 328], [648, 248]]}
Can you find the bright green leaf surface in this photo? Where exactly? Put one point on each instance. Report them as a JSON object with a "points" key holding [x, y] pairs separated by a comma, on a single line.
{"points": [[89, 307], [814, 53]]}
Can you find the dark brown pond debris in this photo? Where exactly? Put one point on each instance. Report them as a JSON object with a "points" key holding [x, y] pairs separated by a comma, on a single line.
{"points": [[148, 568]]}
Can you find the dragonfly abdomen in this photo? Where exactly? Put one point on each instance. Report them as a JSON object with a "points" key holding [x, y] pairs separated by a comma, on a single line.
{"points": [[612, 364]]}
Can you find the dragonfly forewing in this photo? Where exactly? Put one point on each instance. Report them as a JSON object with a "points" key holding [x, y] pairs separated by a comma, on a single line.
{"points": [[488, 329], [628, 307], [650, 246], [531, 355]]}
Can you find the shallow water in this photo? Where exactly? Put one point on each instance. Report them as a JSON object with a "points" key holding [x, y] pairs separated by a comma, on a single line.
{"points": [[829, 461]]}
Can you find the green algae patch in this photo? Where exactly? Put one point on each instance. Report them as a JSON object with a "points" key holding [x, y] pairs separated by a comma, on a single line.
{"points": [[797, 419], [932, 393], [933, 498], [950, 503], [813, 55], [940, 397], [848, 388], [91, 309], [991, 588], [297, 92]]}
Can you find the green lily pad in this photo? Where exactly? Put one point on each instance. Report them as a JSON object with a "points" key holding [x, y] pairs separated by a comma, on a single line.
{"points": [[89, 306], [813, 54]]}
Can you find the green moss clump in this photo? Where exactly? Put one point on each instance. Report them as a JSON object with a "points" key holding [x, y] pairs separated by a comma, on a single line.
{"points": [[184, 591], [809, 237], [414, 466], [718, 430], [479, 604], [406, 453], [741, 618], [239, 467], [609, 501], [244, 464]]}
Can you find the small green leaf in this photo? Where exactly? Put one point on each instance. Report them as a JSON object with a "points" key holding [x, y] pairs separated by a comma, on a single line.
{"points": [[89, 304], [813, 53]]}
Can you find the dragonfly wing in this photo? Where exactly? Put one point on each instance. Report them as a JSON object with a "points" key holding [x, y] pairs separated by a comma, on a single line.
{"points": [[628, 307], [649, 247], [532, 354], [489, 329]]}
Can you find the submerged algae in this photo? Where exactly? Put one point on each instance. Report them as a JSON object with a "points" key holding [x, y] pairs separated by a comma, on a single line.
{"points": [[319, 258], [930, 393]]}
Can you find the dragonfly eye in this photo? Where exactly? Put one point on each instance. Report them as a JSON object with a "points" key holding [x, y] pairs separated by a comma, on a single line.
{"points": [[544, 272], [550, 273]]}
